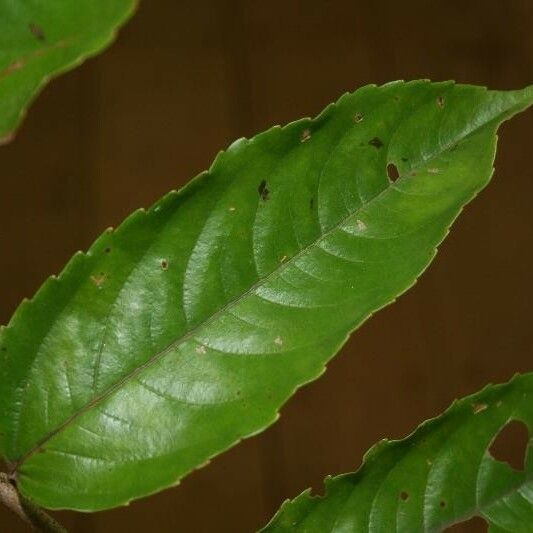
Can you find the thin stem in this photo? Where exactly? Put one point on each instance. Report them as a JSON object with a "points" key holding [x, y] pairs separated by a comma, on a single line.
{"points": [[25, 509]]}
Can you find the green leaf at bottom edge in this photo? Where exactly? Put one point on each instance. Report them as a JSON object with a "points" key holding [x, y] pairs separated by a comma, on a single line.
{"points": [[440, 475]]}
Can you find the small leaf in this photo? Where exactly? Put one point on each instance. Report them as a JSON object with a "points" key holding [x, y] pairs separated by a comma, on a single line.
{"points": [[188, 327], [41, 39], [442, 474]]}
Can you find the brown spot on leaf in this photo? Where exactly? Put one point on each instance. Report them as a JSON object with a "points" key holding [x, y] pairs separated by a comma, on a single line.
{"points": [[16, 65], [11, 68], [306, 135], [164, 264], [99, 279], [20, 63], [479, 407], [263, 191], [358, 117], [404, 496], [440, 101], [392, 172], [376, 142], [37, 31]]}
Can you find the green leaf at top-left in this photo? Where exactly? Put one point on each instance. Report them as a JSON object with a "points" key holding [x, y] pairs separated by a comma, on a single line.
{"points": [[40, 39]]}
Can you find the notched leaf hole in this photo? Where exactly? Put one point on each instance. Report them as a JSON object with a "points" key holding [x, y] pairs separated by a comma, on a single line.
{"points": [[319, 489], [392, 172], [511, 444], [263, 191]]}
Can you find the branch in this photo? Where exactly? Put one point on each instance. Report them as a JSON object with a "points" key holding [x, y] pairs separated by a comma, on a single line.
{"points": [[25, 509]]}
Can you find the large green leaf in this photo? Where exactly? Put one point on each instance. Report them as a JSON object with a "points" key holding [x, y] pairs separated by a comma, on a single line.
{"points": [[440, 475], [188, 327], [42, 38]]}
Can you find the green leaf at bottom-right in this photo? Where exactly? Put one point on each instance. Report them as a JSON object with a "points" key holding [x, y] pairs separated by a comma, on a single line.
{"points": [[442, 474]]}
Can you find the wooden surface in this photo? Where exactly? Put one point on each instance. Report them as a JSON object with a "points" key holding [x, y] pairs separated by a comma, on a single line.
{"points": [[185, 79]]}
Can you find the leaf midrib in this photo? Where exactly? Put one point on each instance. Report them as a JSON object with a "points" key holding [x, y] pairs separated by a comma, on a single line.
{"points": [[187, 336]]}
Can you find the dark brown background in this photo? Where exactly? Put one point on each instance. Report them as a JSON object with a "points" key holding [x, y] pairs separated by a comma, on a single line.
{"points": [[184, 79]]}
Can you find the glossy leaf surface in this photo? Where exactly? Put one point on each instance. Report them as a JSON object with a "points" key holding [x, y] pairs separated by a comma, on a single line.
{"points": [[443, 474], [42, 38], [187, 328]]}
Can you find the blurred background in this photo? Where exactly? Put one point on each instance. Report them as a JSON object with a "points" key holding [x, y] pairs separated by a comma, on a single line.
{"points": [[183, 80]]}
